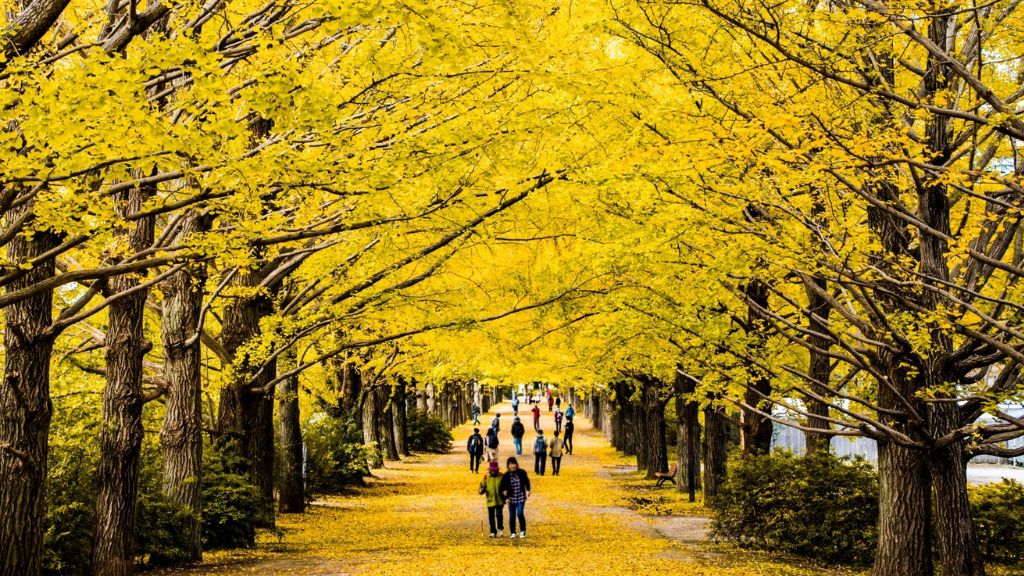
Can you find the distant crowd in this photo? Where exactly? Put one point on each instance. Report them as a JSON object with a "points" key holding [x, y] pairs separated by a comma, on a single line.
{"points": [[513, 487]]}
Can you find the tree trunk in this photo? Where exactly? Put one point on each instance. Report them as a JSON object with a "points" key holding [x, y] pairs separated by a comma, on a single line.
{"points": [[820, 366], [688, 435], [25, 407], [715, 452], [246, 410], [181, 440], [371, 428], [755, 429], [958, 541], [386, 422], [904, 540], [651, 444], [122, 432], [292, 498], [400, 417]]}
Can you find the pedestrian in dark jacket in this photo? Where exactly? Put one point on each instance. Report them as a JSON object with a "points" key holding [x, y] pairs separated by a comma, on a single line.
{"points": [[518, 430], [496, 423], [540, 453], [569, 428], [476, 414], [515, 489], [492, 445], [475, 447]]}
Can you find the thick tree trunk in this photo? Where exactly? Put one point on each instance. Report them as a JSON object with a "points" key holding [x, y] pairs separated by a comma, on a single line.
{"points": [[122, 432], [351, 388], [688, 436], [25, 407], [181, 440], [292, 497], [715, 452], [400, 417], [958, 541], [371, 429], [386, 422], [904, 542], [651, 426], [820, 366], [246, 409], [756, 429]]}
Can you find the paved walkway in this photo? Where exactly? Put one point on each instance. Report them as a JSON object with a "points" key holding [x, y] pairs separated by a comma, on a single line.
{"points": [[424, 516]]}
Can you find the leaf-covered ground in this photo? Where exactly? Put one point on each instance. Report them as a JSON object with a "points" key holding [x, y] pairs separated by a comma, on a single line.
{"points": [[423, 516]]}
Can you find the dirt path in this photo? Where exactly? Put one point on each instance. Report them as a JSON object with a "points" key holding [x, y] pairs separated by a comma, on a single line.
{"points": [[424, 516]]}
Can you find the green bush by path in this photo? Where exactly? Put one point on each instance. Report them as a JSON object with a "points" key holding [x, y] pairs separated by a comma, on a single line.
{"points": [[335, 455], [820, 506], [998, 512], [429, 433]]}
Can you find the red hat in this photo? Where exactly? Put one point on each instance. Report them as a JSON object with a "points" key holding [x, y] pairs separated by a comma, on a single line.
{"points": [[493, 466]]}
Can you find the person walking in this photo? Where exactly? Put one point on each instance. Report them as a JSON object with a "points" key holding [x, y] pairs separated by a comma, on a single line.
{"points": [[518, 431], [475, 447], [492, 444], [536, 418], [558, 420], [555, 449], [551, 402], [515, 404], [558, 402], [496, 423], [476, 414], [540, 453], [490, 486], [570, 413], [567, 439], [515, 488]]}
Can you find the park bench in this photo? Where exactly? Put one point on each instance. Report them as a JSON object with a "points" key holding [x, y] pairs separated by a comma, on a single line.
{"points": [[663, 477]]}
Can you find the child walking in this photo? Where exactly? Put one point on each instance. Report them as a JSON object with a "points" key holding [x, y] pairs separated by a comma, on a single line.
{"points": [[490, 486]]}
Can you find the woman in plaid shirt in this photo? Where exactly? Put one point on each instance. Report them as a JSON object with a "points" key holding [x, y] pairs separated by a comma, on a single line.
{"points": [[515, 488]]}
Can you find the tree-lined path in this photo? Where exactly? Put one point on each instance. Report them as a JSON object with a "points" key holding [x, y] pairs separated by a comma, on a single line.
{"points": [[423, 516]]}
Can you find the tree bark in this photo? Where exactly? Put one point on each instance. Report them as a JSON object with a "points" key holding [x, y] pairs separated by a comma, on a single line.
{"points": [[181, 440], [715, 452], [958, 541], [652, 426], [688, 436], [247, 411], [292, 497], [400, 417], [122, 432], [386, 422], [371, 428], [904, 539], [820, 366], [755, 429], [25, 407]]}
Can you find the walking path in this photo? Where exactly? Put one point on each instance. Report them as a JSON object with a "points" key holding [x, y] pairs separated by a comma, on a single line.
{"points": [[423, 516]]}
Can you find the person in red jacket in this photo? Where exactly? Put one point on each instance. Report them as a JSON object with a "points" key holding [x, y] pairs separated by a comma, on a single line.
{"points": [[551, 402], [536, 418]]}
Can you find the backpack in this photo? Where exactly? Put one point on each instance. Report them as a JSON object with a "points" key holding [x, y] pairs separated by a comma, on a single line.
{"points": [[539, 446], [492, 440], [474, 444]]}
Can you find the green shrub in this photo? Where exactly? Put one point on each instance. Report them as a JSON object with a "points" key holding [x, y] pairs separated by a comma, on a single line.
{"points": [[160, 536], [72, 462], [998, 512], [429, 433], [336, 458], [821, 506], [232, 506]]}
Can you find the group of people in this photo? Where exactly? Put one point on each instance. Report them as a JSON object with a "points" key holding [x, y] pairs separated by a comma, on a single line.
{"points": [[513, 487]]}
